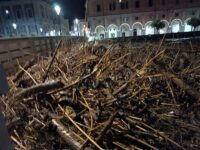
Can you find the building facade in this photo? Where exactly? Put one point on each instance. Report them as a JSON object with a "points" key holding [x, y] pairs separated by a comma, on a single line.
{"points": [[117, 18], [80, 28], [30, 18]]}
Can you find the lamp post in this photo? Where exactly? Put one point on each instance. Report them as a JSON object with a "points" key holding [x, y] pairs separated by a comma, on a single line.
{"points": [[58, 11], [15, 27], [7, 12], [41, 30], [77, 25]]}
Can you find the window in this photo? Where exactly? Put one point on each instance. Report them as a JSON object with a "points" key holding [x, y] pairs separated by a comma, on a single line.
{"points": [[137, 4], [18, 14], [127, 5], [46, 12], [29, 13], [18, 11], [163, 16], [98, 8], [29, 10], [176, 14], [177, 2], [193, 13], [124, 5], [163, 2], [136, 18], [42, 11], [150, 3], [112, 6]]}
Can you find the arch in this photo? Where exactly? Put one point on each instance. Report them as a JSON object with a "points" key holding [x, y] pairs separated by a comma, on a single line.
{"points": [[112, 31], [125, 29], [187, 28], [165, 29], [100, 32], [176, 25], [148, 28], [137, 28]]}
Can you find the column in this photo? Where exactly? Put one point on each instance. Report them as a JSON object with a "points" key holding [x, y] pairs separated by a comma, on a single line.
{"points": [[143, 31], [119, 34], [131, 32]]}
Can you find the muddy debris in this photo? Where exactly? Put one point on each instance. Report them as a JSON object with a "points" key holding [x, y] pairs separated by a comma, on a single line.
{"points": [[107, 97]]}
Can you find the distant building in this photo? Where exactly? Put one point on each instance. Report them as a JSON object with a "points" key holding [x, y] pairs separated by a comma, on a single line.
{"points": [[30, 18], [117, 18], [80, 28]]}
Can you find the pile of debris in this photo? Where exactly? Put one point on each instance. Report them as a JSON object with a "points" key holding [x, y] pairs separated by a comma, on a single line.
{"points": [[107, 97]]}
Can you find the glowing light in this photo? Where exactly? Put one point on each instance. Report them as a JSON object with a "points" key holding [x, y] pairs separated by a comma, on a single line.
{"points": [[14, 26], [75, 29], [41, 30], [57, 9], [7, 11], [76, 21]]}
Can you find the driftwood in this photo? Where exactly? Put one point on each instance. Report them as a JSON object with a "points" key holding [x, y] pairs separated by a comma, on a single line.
{"points": [[118, 98], [52, 60], [106, 127], [40, 88], [20, 73], [184, 86], [66, 135]]}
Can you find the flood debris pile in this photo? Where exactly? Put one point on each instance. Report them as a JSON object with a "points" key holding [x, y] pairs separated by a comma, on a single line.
{"points": [[107, 97]]}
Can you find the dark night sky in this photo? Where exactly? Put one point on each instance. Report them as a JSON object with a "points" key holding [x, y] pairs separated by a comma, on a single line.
{"points": [[73, 8]]}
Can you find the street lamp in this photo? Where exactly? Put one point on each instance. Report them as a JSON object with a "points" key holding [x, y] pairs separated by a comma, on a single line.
{"points": [[77, 25], [41, 30], [7, 11], [76, 21], [15, 27], [58, 11]]}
